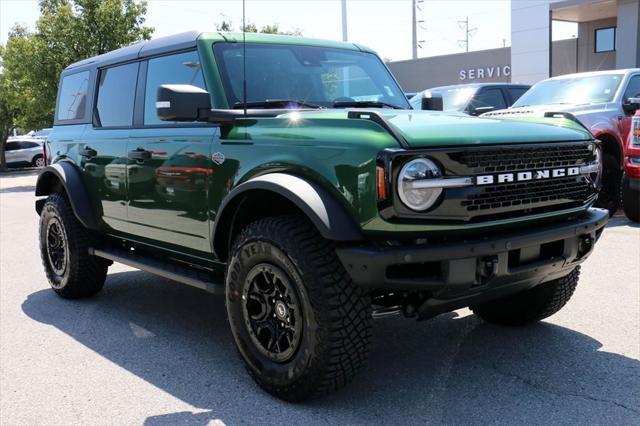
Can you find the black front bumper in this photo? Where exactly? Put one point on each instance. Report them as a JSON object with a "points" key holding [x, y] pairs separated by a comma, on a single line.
{"points": [[471, 271]]}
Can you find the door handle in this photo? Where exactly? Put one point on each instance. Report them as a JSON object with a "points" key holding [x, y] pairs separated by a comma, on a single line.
{"points": [[140, 154], [88, 152]]}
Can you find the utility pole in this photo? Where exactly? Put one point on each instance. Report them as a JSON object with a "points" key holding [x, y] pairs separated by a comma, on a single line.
{"points": [[467, 32], [344, 21], [414, 31]]}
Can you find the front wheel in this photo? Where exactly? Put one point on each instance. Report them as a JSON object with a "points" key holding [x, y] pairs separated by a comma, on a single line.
{"points": [[530, 305], [609, 196], [630, 200], [301, 326]]}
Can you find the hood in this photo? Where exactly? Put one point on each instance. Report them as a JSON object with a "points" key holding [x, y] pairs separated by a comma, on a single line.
{"points": [[433, 128]]}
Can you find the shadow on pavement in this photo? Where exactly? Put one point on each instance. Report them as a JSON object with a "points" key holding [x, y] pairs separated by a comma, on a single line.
{"points": [[15, 172], [621, 220], [446, 370]]}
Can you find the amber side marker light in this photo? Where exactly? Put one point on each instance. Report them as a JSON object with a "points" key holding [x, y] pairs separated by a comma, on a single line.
{"points": [[381, 183]]}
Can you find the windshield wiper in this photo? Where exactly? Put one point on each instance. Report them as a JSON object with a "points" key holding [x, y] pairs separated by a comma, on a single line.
{"points": [[365, 104], [276, 103]]}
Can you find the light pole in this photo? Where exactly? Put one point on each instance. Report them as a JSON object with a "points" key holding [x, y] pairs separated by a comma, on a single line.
{"points": [[344, 20]]}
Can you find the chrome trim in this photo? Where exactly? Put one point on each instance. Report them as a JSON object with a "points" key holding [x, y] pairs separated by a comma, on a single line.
{"points": [[454, 182], [590, 168]]}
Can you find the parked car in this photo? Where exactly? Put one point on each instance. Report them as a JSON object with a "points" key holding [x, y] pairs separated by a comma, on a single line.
{"points": [[24, 152], [472, 99], [600, 101], [631, 178], [310, 211]]}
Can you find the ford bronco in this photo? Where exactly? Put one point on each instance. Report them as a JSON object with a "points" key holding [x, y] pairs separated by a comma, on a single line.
{"points": [[292, 176]]}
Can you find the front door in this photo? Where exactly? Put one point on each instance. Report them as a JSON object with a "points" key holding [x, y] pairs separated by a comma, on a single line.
{"points": [[169, 163]]}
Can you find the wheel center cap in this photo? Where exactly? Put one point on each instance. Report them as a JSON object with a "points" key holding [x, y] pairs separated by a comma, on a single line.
{"points": [[281, 310]]}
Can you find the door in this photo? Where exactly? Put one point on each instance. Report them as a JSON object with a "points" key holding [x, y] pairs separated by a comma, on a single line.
{"points": [[632, 91], [103, 151], [169, 163], [12, 152]]}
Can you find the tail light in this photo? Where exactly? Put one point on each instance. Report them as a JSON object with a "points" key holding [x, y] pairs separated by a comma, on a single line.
{"points": [[635, 130], [44, 152]]}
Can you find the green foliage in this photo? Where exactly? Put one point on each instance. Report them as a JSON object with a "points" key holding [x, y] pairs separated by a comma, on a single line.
{"points": [[67, 31], [250, 27]]}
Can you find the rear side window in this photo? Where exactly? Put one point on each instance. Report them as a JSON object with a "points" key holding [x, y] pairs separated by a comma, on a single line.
{"points": [[116, 94], [182, 68], [633, 88], [72, 100], [27, 145], [516, 92], [12, 146]]}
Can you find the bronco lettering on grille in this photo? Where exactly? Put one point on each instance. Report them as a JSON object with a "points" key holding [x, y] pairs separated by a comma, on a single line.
{"points": [[527, 175]]}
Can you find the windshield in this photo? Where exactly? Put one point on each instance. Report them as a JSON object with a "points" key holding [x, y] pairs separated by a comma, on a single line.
{"points": [[453, 99], [314, 75], [580, 90]]}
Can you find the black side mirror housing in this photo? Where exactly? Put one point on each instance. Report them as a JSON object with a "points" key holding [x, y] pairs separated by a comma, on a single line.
{"points": [[631, 105], [182, 102], [432, 102]]}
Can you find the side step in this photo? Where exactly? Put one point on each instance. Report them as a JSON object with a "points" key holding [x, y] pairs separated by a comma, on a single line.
{"points": [[172, 271]]}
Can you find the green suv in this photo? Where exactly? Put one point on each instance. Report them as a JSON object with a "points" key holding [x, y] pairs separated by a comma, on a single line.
{"points": [[292, 176]]}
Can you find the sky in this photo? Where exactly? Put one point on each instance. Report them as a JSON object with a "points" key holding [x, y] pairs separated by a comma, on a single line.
{"points": [[383, 25]]}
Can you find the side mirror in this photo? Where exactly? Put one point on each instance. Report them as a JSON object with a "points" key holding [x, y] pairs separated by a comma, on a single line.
{"points": [[182, 102], [480, 110], [631, 105], [432, 102]]}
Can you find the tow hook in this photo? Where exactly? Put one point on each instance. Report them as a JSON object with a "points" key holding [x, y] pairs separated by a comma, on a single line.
{"points": [[488, 267]]}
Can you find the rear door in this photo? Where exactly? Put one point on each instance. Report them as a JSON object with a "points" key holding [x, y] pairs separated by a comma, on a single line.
{"points": [[103, 152], [169, 163], [514, 93], [12, 152]]}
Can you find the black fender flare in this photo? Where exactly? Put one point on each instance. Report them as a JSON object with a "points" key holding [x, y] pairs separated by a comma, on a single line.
{"points": [[321, 208], [70, 180]]}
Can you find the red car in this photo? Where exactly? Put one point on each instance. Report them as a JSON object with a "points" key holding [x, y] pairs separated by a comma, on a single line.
{"points": [[631, 180]]}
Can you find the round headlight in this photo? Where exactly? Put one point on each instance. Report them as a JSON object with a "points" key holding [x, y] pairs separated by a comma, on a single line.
{"points": [[413, 184]]}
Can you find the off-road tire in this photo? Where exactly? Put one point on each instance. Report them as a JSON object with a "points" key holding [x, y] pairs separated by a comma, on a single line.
{"points": [[609, 196], [630, 200], [83, 274], [336, 326], [530, 305]]}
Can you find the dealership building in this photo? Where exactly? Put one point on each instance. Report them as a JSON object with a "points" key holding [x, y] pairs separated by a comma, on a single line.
{"points": [[608, 38]]}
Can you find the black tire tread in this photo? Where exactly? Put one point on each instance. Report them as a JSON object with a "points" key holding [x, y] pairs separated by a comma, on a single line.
{"points": [[630, 200], [530, 305], [345, 310], [87, 273]]}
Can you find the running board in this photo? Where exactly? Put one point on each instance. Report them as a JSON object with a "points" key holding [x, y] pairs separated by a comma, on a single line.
{"points": [[172, 271]]}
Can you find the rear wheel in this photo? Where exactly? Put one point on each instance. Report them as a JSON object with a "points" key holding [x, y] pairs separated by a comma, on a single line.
{"points": [[609, 196], [301, 326], [64, 243], [630, 200], [38, 161], [530, 305]]}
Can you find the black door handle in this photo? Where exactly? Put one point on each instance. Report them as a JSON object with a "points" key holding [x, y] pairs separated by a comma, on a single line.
{"points": [[139, 154], [88, 152]]}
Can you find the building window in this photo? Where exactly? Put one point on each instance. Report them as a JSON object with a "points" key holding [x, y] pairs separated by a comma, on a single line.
{"points": [[605, 39]]}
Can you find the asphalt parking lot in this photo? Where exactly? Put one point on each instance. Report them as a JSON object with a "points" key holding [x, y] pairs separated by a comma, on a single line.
{"points": [[149, 351]]}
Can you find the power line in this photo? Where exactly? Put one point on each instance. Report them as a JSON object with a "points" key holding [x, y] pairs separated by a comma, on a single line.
{"points": [[467, 32]]}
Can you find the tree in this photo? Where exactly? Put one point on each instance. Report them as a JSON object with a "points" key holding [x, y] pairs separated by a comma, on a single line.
{"points": [[67, 31], [250, 27]]}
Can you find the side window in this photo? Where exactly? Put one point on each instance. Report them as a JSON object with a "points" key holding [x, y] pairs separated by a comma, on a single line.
{"points": [[633, 88], [12, 146], [489, 98], [516, 92], [182, 68], [116, 94], [72, 100], [27, 145]]}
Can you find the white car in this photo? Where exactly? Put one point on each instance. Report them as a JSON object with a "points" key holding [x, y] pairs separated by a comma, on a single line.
{"points": [[24, 152]]}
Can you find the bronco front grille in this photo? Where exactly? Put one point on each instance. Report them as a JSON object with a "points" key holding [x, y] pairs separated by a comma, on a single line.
{"points": [[479, 203], [526, 195], [525, 158]]}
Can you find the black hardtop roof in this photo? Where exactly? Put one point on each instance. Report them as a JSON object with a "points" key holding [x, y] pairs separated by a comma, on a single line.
{"points": [[477, 85], [152, 47]]}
